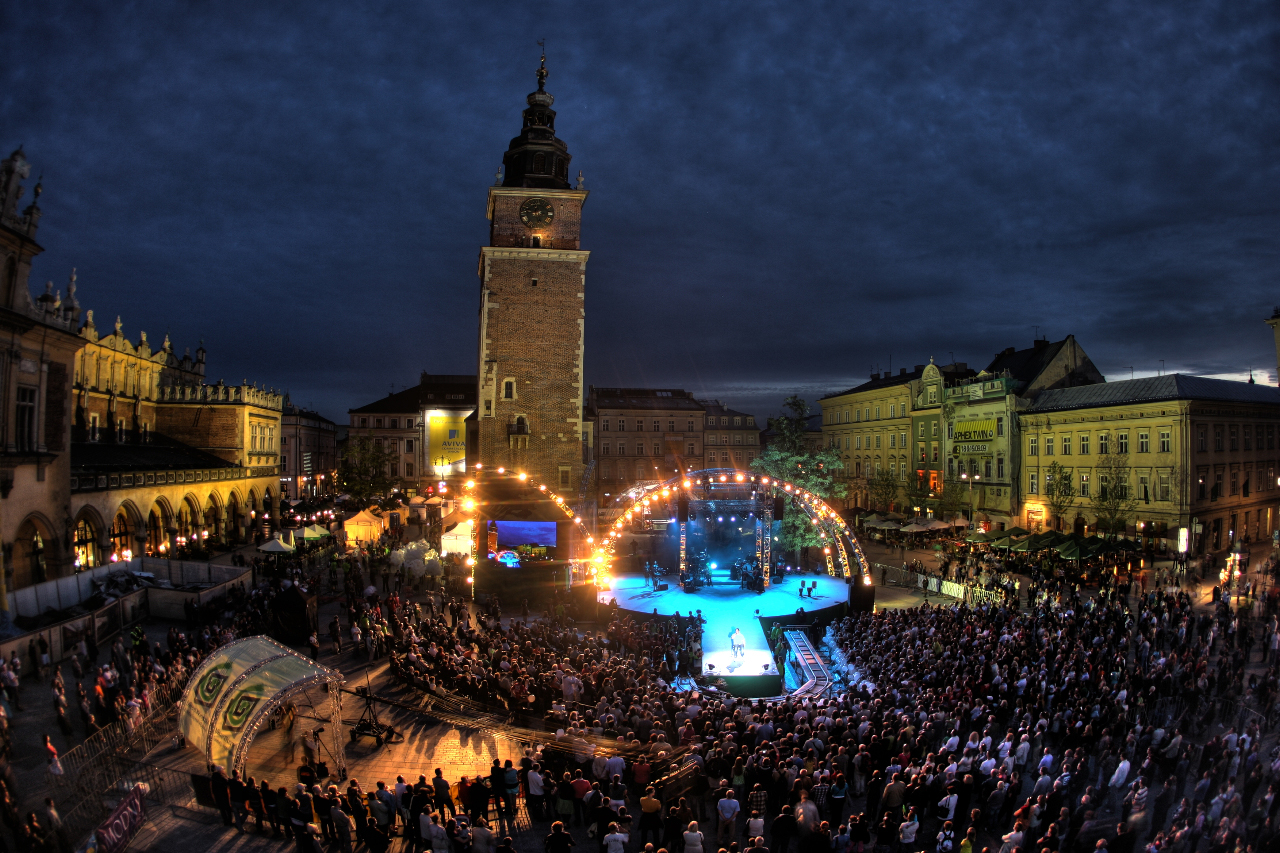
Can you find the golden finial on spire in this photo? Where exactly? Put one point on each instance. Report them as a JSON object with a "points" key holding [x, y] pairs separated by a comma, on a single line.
{"points": [[542, 69]]}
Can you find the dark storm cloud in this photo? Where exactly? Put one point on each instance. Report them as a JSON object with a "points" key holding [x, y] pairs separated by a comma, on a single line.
{"points": [[784, 196]]}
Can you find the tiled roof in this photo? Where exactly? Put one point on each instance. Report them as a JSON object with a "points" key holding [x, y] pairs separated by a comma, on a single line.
{"points": [[160, 453], [949, 372], [1150, 389], [715, 407], [643, 398], [1025, 365], [886, 381], [432, 391]]}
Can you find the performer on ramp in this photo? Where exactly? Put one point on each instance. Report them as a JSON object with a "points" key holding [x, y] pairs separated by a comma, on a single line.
{"points": [[738, 642]]}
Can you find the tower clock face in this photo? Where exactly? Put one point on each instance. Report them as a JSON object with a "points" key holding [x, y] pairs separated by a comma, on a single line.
{"points": [[536, 212]]}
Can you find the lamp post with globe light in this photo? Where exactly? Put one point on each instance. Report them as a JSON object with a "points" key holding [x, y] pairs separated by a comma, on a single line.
{"points": [[972, 479]]}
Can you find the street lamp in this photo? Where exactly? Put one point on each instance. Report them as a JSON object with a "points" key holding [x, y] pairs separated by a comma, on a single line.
{"points": [[972, 479]]}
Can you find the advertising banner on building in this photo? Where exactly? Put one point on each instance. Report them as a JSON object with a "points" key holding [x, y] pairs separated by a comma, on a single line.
{"points": [[983, 429], [446, 441]]}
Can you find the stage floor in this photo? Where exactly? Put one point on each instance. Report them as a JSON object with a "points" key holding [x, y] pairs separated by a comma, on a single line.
{"points": [[726, 607]]}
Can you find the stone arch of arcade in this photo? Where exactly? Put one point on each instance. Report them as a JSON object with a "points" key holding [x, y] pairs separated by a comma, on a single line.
{"points": [[110, 524], [841, 551]]}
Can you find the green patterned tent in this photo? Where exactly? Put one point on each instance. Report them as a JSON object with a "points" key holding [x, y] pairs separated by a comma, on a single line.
{"points": [[235, 690]]}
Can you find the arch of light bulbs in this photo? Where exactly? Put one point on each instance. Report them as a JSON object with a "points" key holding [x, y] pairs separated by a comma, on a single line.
{"points": [[596, 564], [844, 560]]}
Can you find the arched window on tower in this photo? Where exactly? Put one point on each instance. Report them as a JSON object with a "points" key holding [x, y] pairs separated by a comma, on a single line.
{"points": [[539, 163]]}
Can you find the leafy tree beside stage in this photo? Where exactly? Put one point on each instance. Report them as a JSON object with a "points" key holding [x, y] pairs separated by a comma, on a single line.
{"points": [[789, 458], [364, 472]]}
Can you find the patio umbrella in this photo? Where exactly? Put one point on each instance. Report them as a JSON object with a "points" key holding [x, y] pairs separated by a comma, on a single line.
{"points": [[1004, 542], [1072, 550], [980, 536], [1099, 546], [915, 527], [894, 516], [887, 525], [960, 522], [1025, 545], [314, 531], [1126, 545], [1015, 531], [937, 524], [275, 546]]}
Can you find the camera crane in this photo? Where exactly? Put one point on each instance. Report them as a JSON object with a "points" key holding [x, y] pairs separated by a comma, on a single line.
{"points": [[369, 725]]}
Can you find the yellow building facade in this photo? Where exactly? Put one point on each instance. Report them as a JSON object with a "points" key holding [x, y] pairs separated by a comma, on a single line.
{"points": [[869, 426], [1201, 456]]}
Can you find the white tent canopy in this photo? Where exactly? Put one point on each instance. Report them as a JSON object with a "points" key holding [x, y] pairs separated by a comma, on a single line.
{"points": [[457, 540], [235, 690]]}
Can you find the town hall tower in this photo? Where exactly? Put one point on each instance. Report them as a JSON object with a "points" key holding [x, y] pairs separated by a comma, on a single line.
{"points": [[532, 309]]}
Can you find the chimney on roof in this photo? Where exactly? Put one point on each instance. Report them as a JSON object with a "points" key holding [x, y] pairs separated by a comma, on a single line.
{"points": [[877, 375], [902, 371], [1274, 323], [1005, 351], [919, 368], [1041, 343]]}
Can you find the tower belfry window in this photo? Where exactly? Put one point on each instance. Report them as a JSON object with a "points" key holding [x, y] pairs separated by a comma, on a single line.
{"points": [[508, 390], [539, 162]]}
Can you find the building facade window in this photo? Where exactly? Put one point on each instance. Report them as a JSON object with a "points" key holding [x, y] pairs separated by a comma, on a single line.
{"points": [[1104, 443], [1066, 445], [1048, 445], [1122, 442], [1084, 444], [24, 427], [1000, 468], [999, 427], [1033, 487], [1084, 485], [1144, 442], [1033, 446], [1166, 441]]}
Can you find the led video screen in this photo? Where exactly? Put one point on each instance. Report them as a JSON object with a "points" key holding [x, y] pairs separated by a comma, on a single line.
{"points": [[524, 541]]}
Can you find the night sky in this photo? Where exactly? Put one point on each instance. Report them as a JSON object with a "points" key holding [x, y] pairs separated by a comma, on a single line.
{"points": [[784, 196]]}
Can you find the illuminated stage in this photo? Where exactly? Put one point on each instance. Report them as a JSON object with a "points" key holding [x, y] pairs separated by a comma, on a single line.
{"points": [[727, 606]]}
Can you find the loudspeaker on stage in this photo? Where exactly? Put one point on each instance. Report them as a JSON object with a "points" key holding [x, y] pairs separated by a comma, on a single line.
{"points": [[862, 597]]}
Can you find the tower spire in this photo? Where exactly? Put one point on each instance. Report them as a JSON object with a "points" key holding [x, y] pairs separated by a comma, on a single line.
{"points": [[536, 158]]}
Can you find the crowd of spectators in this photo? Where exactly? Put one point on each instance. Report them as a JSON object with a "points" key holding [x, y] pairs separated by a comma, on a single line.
{"points": [[1066, 726]]}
